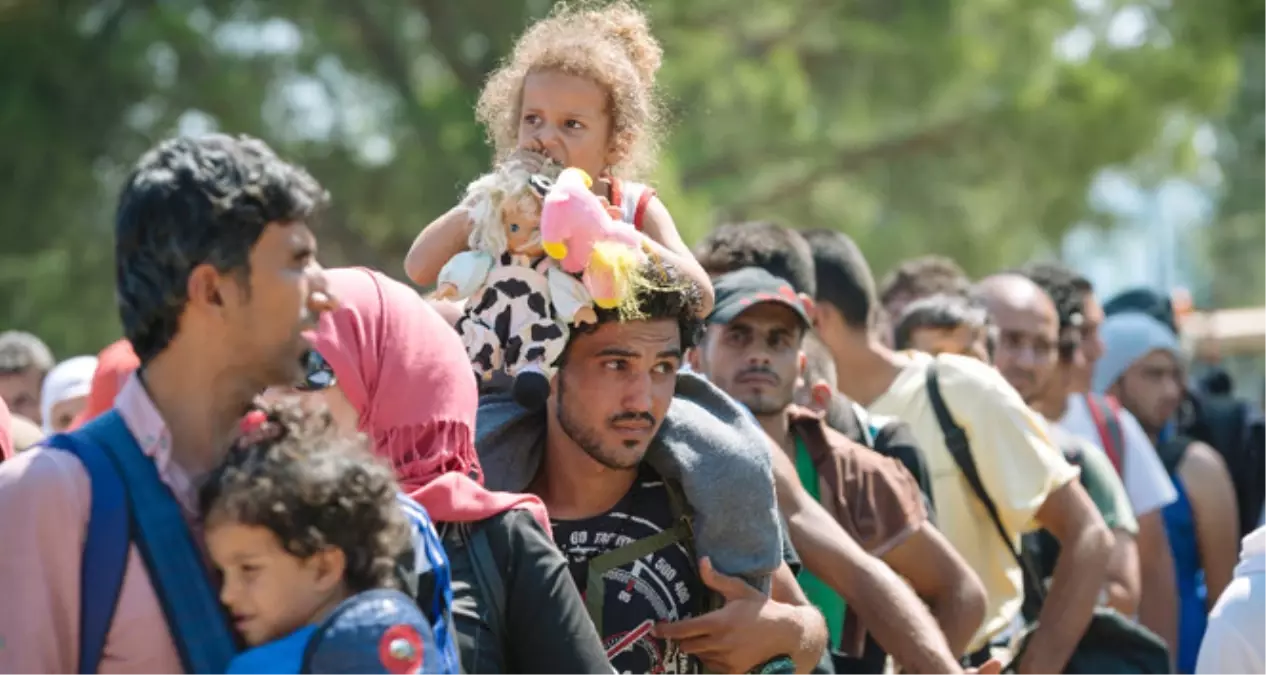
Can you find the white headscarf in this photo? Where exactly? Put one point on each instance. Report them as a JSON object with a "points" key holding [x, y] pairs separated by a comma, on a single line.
{"points": [[69, 379]]}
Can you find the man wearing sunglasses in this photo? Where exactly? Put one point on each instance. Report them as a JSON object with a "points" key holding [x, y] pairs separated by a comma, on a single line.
{"points": [[1035, 353]]}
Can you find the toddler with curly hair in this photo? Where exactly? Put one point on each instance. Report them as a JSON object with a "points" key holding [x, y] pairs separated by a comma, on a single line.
{"points": [[577, 90], [307, 531]]}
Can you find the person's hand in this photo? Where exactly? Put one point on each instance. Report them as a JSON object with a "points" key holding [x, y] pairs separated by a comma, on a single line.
{"points": [[749, 630], [585, 315], [532, 160], [990, 667], [445, 291], [614, 211]]}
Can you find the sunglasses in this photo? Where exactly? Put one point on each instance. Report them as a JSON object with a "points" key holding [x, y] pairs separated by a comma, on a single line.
{"points": [[317, 373]]}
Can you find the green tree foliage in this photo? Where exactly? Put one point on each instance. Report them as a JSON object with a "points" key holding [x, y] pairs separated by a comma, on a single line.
{"points": [[970, 128], [1238, 236]]}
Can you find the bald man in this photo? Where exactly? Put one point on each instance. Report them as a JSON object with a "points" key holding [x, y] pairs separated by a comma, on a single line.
{"points": [[1027, 350], [1029, 355]]}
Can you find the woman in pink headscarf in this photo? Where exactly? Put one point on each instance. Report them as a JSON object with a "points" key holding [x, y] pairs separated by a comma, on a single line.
{"points": [[401, 376]]}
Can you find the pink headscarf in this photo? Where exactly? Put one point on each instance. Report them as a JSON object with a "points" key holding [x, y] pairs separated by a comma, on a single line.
{"points": [[6, 433], [404, 369]]}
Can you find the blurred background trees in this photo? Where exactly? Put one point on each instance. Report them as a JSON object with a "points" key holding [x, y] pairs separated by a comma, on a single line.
{"points": [[972, 128]]}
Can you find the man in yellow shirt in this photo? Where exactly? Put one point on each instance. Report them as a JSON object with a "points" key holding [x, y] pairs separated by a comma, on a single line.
{"points": [[1026, 477]]}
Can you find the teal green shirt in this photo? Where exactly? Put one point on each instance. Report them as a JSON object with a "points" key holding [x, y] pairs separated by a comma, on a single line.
{"points": [[821, 595]]}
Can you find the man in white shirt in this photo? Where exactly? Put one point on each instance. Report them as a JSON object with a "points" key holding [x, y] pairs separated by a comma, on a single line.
{"points": [[1147, 484], [1233, 641]]}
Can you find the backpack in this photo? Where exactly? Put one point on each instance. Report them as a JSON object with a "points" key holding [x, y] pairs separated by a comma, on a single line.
{"points": [[131, 505], [489, 571], [1238, 432], [1106, 414], [887, 436]]}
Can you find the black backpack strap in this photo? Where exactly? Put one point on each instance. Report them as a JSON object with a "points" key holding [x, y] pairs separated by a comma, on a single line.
{"points": [[488, 575], [1172, 450], [960, 449]]}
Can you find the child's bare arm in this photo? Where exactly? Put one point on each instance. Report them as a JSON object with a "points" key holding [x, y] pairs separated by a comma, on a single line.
{"points": [[659, 227], [436, 244]]}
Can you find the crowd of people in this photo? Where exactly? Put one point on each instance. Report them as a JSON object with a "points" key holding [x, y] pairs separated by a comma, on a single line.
{"points": [[766, 461]]}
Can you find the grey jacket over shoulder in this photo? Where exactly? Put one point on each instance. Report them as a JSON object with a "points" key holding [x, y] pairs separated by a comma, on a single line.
{"points": [[707, 444]]}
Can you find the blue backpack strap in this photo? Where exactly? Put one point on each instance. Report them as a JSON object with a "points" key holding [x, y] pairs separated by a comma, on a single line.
{"points": [[106, 547], [175, 565]]}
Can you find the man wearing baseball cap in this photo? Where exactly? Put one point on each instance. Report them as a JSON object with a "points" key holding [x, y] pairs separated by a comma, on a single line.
{"points": [[752, 350]]}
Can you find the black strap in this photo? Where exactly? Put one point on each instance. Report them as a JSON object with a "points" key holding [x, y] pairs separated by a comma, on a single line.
{"points": [[960, 449], [489, 577]]}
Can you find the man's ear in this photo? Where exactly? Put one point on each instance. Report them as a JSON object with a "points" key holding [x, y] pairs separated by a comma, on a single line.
{"points": [[802, 363], [821, 394], [824, 317], [695, 360], [205, 287]]}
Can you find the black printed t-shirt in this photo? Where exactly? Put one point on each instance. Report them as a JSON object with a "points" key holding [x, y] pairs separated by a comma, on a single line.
{"points": [[664, 586]]}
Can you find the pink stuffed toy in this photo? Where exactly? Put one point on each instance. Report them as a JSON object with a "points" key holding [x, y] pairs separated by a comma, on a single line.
{"points": [[578, 230]]}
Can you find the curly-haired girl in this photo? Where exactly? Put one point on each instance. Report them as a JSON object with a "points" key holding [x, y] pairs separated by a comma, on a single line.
{"points": [[578, 89], [306, 528]]}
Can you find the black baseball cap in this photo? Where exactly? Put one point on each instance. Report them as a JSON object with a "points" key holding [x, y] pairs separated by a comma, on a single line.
{"points": [[738, 291]]}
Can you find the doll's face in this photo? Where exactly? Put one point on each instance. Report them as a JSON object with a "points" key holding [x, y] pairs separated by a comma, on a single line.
{"points": [[522, 219]]}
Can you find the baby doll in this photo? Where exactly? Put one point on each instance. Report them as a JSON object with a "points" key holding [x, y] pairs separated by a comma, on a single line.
{"points": [[520, 304]]}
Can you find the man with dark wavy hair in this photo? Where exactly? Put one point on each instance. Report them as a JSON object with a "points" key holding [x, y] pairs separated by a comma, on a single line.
{"points": [[610, 464], [217, 278], [645, 470]]}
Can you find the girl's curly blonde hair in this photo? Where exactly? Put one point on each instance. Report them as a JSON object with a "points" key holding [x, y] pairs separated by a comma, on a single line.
{"points": [[611, 45]]}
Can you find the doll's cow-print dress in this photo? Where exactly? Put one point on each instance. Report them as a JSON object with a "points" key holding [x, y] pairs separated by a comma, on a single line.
{"points": [[513, 310]]}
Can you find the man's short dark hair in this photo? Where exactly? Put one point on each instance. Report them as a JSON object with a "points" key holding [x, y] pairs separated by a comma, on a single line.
{"points": [[21, 352], [1067, 289], [779, 250], [843, 277], [667, 295], [923, 276], [938, 312], [194, 201]]}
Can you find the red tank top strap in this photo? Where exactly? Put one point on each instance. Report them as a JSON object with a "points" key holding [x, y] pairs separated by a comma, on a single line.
{"points": [[638, 213], [617, 193]]}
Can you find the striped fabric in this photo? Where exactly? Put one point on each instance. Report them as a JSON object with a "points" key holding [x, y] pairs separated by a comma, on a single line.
{"points": [[429, 558]]}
